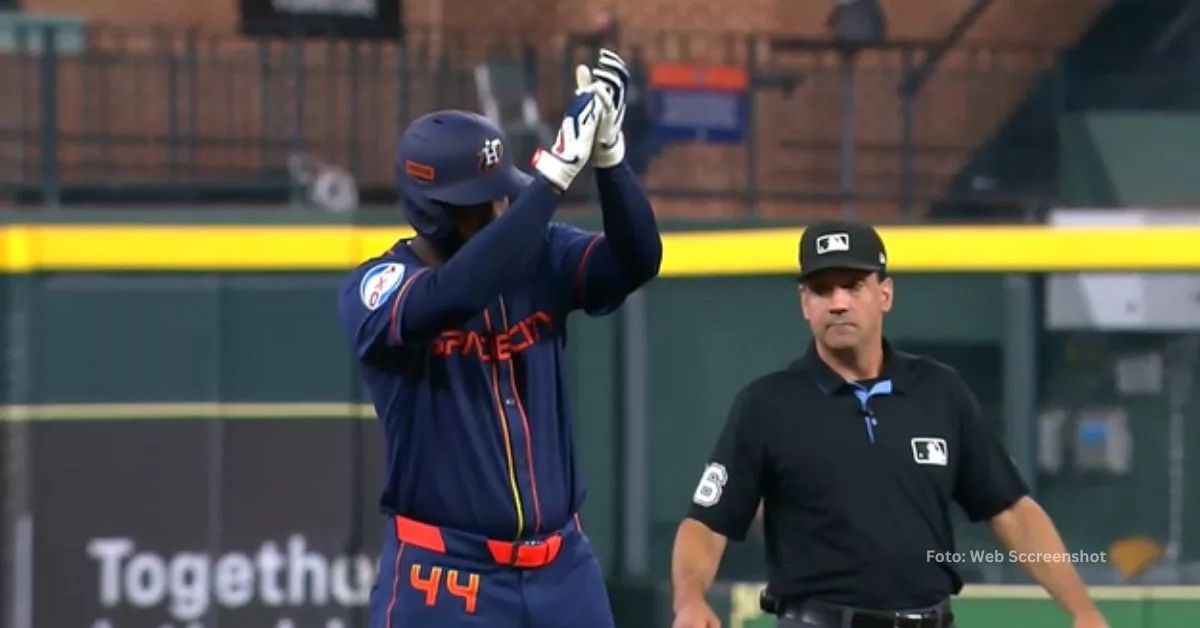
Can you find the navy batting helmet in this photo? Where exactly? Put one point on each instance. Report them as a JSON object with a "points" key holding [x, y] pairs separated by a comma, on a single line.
{"points": [[452, 157]]}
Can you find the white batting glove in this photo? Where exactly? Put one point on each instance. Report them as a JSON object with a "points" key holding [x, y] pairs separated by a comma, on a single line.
{"points": [[573, 145], [611, 75]]}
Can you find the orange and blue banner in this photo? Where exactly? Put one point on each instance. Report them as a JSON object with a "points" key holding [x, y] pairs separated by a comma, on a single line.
{"points": [[693, 104]]}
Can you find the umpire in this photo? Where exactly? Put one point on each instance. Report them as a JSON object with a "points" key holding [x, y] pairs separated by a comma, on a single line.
{"points": [[856, 451]]}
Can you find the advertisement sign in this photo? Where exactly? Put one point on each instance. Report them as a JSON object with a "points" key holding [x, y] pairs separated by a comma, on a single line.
{"points": [[1125, 301], [699, 105], [342, 19], [156, 524]]}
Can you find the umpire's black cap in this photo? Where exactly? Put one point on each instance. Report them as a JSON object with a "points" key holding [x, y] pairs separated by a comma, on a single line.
{"points": [[841, 244]]}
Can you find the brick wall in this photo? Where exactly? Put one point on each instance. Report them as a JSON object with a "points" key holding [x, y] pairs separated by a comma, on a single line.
{"points": [[958, 110]]}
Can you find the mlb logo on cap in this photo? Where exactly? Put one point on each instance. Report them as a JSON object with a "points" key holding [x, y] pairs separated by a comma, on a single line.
{"points": [[841, 244], [833, 243]]}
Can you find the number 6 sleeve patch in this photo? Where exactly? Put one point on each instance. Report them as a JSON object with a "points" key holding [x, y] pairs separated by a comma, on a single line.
{"points": [[708, 492], [727, 496]]}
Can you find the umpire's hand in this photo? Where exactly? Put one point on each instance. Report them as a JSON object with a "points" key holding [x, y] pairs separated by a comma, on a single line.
{"points": [[696, 614]]}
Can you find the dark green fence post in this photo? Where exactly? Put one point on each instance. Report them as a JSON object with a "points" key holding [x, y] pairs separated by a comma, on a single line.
{"points": [[1020, 334], [907, 149], [17, 525], [635, 490], [48, 98], [751, 124]]}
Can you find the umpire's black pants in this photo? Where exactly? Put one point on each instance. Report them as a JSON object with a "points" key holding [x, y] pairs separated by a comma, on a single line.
{"points": [[819, 615], [799, 623]]}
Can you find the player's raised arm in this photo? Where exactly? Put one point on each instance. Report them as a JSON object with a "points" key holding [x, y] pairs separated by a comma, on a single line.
{"points": [[491, 261], [601, 270], [455, 176]]}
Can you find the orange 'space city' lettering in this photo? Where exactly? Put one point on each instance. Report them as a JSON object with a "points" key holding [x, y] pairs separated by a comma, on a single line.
{"points": [[502, 346]]}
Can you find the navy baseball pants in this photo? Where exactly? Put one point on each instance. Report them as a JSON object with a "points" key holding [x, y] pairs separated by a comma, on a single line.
{"points": [[438, 578]]}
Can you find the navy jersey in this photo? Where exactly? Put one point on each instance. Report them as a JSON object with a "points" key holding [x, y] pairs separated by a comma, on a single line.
{"points": [[476, 415]]}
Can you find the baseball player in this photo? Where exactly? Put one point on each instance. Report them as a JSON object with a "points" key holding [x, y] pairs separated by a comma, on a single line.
{"points": [[460, 337]]}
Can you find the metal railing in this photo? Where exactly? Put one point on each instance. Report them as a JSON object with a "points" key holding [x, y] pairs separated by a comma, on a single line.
{"points": [[182, 114]]}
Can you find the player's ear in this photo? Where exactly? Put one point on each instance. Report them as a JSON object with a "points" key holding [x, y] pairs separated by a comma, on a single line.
{"points": [[887, 292], [802, 294]]}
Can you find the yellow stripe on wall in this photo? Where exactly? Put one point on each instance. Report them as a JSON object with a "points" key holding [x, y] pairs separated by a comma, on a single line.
{"points": [[83, 248], [183, 411]]}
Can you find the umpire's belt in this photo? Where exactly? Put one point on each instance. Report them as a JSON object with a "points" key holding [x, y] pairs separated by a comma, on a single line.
{"points": [[525, 554], [827, 615]]}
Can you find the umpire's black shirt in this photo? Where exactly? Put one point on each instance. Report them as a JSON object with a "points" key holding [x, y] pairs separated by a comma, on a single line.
{"points": [[856, 479]]}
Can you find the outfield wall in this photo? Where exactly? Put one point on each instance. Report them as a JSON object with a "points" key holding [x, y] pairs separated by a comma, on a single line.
{"points": [[187, 440]]}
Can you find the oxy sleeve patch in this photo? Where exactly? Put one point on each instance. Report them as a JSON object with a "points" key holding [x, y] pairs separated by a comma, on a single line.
{"points": [[379, 284]]}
